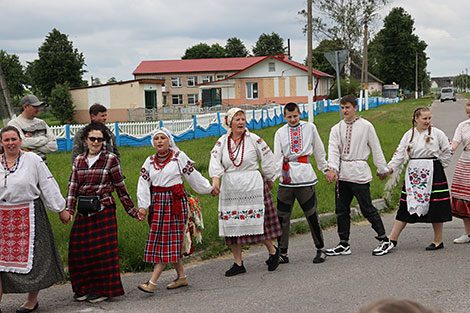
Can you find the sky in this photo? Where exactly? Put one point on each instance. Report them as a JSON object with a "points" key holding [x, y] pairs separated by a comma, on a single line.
{"points": [[115, 36]]}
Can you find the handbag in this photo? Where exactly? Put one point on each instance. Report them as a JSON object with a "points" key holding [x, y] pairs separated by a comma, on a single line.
{"points": [[89, 205]]}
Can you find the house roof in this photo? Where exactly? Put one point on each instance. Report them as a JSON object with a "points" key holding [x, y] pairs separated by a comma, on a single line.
{"points": [[195, 65], [213, 65], [140, 81]]}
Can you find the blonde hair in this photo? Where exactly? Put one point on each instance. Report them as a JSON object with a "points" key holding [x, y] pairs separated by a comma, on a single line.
{"points": [[391, 305], [416, 114], [467, 104]]}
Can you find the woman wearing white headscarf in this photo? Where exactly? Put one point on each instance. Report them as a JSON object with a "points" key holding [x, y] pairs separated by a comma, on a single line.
{"points": [[160, 191], [246, 209]]}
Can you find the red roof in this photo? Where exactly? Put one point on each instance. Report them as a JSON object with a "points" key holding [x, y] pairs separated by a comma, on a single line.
{"points": [[195, 65], [213, 65]]}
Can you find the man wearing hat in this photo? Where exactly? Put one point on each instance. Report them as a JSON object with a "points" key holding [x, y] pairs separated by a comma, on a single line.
{"points": [[35, 134]]}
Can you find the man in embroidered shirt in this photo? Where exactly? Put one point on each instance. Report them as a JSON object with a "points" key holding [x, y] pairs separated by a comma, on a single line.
{"points": [[35, 134], [98, 113], [294, 143], [349, 147]]}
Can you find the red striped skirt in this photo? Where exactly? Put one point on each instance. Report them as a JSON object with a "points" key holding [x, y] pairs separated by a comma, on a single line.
{"points": [[439, 206], [165, 238], [272, 227], [93, 254], [460, 189]]}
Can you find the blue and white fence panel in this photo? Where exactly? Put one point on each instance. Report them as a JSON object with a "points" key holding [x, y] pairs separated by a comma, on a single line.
{"points": [[137, 134]]}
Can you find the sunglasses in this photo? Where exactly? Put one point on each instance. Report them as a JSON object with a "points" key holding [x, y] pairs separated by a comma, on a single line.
{"points": [[93, 139]]}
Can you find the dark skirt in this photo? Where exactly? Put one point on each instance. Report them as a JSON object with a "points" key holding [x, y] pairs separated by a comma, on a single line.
{"points": [[439, 206], [93, 254], [47, 267], [272, 228], [165, 238]]}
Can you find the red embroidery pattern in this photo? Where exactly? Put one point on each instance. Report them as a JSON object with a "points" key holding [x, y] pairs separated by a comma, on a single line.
{"points": [[349, 125], [295, 139], [15, 237]]}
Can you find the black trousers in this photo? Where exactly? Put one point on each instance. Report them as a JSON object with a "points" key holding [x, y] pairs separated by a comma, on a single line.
{"points": [[345, 192]]}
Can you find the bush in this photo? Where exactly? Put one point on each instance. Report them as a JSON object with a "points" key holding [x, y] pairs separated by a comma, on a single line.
{"points": [[61, 103]]}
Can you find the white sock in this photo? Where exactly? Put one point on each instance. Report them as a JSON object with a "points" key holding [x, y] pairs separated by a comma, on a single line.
{"points": [[152, 283]]}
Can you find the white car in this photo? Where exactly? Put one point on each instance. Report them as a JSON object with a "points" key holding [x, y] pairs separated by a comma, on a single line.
{"points": [[448, 93]]}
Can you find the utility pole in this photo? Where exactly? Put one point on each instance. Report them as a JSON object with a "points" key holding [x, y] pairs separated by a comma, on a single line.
{"points": [[311, 109], [416, 78]]}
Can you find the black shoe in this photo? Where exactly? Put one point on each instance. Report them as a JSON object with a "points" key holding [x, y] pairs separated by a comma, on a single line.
{"points": [[273, 261], [433, 247], [235, 270], [25, 310], [283, 259], [80, 296], [320, 257]]}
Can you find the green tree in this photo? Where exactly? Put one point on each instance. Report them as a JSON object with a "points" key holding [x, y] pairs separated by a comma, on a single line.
{"points": [[112, 80], [235, 48], [350, 87], [96, 81], [61, 103], [14, 74], [319, 61], [216, 51], [269, 45], [392, 53], [58, 63]]}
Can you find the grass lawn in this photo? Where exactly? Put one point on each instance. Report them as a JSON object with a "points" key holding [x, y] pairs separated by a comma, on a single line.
{"points": [[391, 122]]}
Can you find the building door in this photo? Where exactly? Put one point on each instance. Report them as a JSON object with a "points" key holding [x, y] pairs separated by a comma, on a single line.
{"points": [[211, 97], [150, 99]]}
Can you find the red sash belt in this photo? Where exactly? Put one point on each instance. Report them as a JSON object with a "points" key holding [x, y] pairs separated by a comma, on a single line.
{"points": [[177, 192]]}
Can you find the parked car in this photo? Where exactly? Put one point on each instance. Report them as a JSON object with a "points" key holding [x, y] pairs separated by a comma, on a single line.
{"points": [[448, 93]]}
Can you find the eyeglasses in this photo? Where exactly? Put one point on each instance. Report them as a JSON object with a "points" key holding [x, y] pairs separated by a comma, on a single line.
{"points": [[93, 139]]}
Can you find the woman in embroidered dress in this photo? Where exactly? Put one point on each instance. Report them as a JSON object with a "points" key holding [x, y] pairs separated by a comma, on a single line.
{"points": [[23, 179], [425, 196], [160, 191], [93, 246], [460, 189], [246, 209]]}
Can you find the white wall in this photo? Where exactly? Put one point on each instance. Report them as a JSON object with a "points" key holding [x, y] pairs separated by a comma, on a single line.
{"points": [[101, 95], [262, 70]]}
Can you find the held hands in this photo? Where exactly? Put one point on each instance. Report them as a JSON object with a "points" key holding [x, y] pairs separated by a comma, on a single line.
{"points": [[215, 186], [65, 217], [141, 214], [331, 176], [384, 175]]}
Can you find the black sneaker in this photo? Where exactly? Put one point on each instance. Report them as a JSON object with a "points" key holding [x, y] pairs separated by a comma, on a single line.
{"points": [[320, 257], [80, 296], [235, 270], [383, 248], [338, 250], [273, 260], [283, 259]]}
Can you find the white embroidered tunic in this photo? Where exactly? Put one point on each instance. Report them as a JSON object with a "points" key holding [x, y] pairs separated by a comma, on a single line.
{"points": [[349, 147], [462, 135], [170, 175], [438, 147], [290, 143], [241, 199]]}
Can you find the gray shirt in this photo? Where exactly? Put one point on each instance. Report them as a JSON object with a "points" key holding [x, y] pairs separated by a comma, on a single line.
{"points": [[80, 146]]}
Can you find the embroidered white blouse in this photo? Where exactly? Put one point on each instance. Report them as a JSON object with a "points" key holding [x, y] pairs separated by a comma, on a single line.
{"points": [[293, 142], [438, 146], [255, 149], [462, 134], [31, 179], [349, 147], [180, 164]]}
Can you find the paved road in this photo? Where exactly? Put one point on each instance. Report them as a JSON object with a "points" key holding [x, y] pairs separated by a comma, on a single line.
{"points": [[341, 284]]}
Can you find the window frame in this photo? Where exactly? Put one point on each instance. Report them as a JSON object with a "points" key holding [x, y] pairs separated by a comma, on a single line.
{"points": [[178, 81], [251, 90], [180, 99], [196, 96], [192, 80]]}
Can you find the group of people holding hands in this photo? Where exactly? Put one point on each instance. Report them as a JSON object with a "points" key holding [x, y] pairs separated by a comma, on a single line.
{"points": [[246, 210]]}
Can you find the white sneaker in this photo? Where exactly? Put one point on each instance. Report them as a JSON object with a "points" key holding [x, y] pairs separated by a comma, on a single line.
{"points": [[462, 239], [338, 250], [383, 248]]}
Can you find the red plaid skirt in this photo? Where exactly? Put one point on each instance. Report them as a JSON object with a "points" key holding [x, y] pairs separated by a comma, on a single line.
{"points": [[93, 254], [165, 238], [272, 228]]}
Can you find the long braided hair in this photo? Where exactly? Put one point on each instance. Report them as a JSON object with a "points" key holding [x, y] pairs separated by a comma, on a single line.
{"points": [[416, 114]]}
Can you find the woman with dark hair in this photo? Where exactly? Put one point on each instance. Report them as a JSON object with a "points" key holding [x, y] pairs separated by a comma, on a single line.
{"points": [[425, 196], [93, 246], [29, 260]]}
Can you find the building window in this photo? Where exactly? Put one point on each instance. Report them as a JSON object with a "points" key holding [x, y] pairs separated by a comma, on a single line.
{"points": [[177, 99], [219, 77], [192, 99], [271, 67], [192, 81], [207, 79], [252, 90], [176, 82]]}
